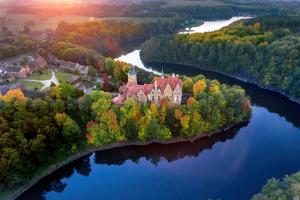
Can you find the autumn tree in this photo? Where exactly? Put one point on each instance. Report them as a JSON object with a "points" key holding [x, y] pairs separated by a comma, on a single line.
{"points": [[14, 94], [198, 87]]}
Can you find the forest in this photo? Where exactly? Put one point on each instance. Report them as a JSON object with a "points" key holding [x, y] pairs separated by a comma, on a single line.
{"points": [[286, 188], [88, 43], [12, 44], [263, 50], [35, 133]]}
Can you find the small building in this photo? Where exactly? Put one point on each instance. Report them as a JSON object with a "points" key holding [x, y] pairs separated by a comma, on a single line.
{"points": [[23, 72], [38, 64]]}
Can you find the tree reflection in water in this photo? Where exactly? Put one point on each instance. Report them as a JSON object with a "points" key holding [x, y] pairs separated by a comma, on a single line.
{"points": [[153, 153]]}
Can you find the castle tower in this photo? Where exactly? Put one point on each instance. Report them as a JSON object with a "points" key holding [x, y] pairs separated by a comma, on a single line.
{"points": [[132, 76]]}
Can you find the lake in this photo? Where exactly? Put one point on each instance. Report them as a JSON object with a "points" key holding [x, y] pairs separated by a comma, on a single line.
{"points": [[231, 165]]}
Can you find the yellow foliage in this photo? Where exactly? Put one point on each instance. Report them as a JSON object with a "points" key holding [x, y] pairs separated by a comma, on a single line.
{"points": [[14, 93], [163, 110], [199, 86], [154, 110], [214, 86], [191, 101], [113, 123], [185, 121], [60, 118]]}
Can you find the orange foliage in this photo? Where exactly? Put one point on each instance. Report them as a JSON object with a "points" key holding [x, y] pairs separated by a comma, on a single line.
{"points": [[199, 86], [14, 93], [177, 114], [90, 124], [191, 101], [113, 123]]}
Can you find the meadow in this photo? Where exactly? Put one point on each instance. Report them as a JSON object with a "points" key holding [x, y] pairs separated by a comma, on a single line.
{"points": [[45, 75]]}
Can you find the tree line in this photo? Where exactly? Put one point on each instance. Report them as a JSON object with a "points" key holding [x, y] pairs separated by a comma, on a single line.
{"points": [[88, 43], [263, 50]]}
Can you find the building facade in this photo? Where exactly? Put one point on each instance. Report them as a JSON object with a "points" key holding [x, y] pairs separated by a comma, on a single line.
{"points": [[163, 88]]}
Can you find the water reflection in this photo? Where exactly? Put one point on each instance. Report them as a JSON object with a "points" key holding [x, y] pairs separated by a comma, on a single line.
{"points": [[154, 153]]}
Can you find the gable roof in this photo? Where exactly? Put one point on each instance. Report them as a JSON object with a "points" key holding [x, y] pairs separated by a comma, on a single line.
{"points": [[172, 80]]}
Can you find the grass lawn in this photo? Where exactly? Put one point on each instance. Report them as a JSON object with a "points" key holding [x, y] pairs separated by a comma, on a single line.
{"points": [[46, 75], [17, 21], [31, 85], [37, 76], [63, 76]]}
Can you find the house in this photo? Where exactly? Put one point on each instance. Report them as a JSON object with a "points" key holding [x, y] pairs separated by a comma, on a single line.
{"points": [[75, 81], [163, 88], [24, 72], [68, 66], [38, 64]]}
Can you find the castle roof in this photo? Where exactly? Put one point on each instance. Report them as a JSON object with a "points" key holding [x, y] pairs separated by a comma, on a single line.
{"points": [[172, 80], [118, 100], [131, 89]]}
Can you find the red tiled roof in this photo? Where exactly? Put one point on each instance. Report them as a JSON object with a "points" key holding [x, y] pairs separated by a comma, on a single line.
{"points": [[148, 88], [131, 89], [134, 89], [119, 100], [172, 80]]}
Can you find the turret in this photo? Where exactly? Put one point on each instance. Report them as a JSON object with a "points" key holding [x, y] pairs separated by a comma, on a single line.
{"points": [[132, 76]]}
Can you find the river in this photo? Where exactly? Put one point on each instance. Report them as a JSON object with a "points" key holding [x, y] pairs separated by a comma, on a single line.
{"points": [[232, 165]]}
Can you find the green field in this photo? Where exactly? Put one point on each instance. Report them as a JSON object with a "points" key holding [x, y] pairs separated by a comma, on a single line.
{"points": [[31, 85], [46, 75], [17, 21]]}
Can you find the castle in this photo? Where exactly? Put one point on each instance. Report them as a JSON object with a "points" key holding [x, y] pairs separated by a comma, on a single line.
{"points": [[163, 87]]}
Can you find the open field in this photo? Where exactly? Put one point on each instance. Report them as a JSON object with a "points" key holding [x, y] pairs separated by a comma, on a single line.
{"points": [[17, 21]]}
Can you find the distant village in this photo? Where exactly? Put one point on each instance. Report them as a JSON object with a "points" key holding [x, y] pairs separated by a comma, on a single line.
{"points": [[13, 70]]}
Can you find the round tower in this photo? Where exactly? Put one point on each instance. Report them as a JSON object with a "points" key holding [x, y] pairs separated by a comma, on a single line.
{"points": [[132, 76]]}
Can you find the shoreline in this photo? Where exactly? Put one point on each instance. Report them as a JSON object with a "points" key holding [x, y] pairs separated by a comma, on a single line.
{"points": [[237, 77], [18, 192]]}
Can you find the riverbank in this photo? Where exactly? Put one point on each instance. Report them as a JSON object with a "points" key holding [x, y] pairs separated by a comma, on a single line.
{"points": [[93, 149], [237, 77]]}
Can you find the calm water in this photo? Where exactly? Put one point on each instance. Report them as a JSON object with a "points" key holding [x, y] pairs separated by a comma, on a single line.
{"points": [[232, 165], [209, 26]]}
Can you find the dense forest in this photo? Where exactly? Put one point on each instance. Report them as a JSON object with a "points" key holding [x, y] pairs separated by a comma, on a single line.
{"points": [[35, 133], [88, 43], [263, 50], [14, 44]]}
